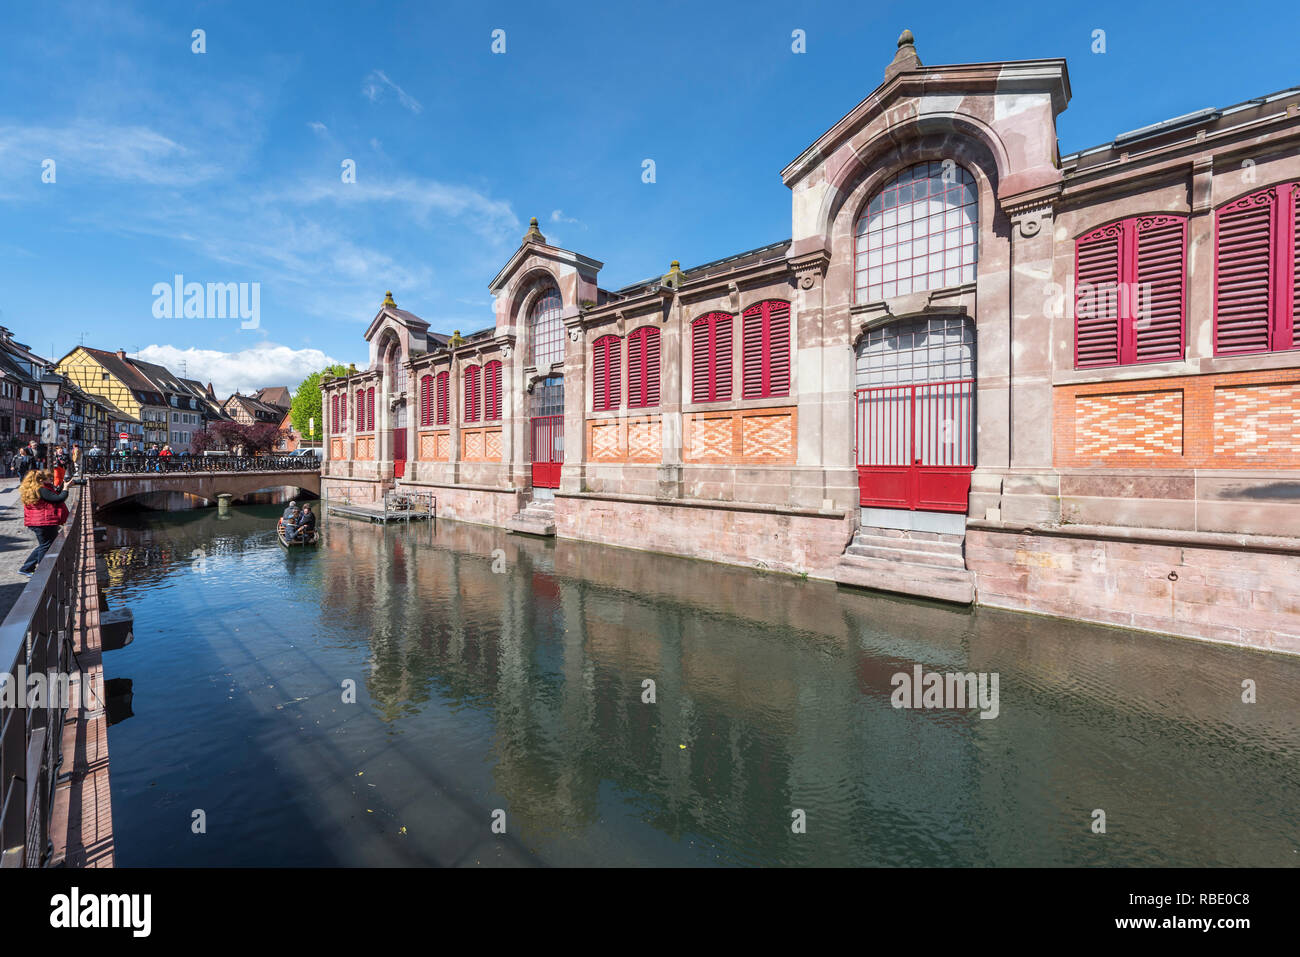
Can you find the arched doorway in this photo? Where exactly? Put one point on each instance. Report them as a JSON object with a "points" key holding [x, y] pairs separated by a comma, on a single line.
{"points": [[547, 431], [915, 406]]}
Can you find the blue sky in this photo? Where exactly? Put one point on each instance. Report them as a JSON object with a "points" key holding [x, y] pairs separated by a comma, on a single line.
{"points": [[226, 166]]}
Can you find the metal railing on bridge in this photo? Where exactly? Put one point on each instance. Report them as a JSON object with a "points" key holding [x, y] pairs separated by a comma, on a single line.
{"points": [[93, 465], [36, 639]]}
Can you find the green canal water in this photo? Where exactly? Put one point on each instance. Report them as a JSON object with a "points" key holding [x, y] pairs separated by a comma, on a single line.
{"points": [[501, 678]]}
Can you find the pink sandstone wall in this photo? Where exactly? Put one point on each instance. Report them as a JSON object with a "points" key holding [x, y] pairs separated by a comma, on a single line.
{"points": [[1222, 594], [798, 542]]}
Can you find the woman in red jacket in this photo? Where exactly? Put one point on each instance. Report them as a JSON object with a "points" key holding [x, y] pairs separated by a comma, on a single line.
{"points": [[43, 513]]}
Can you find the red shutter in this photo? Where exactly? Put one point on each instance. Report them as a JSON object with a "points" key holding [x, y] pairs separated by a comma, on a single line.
{"points": [[721, 359], [471, 394], [1156, 294], [753, 349], [614, 389], [701, 361], [443, 414], [492, 390], [1295, 266], [650, 378], [598, 397], [778, 348], [1242, 263], [359, 413], [636, 370], [370, 409], [1096, 297], [426, 383]]}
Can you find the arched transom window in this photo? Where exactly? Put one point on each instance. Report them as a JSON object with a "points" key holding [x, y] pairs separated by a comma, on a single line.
{"points": [[917, 233], [546, 329]]}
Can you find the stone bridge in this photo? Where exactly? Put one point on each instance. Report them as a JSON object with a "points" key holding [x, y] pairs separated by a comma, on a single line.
{"points": [[109, 488]]}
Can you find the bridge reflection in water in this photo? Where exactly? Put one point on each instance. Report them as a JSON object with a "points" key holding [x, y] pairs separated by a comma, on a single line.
{"points": [[521, 689]]}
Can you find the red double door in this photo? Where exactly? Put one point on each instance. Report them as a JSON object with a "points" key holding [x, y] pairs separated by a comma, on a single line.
{"points": [[916, 445], [548, 450], [399, 452]]}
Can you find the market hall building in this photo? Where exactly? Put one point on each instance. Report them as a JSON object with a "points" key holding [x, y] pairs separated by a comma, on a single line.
{"points": [[979, 371]]}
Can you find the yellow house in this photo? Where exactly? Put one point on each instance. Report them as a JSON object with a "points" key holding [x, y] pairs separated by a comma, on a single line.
{"points": [[113, 376]]}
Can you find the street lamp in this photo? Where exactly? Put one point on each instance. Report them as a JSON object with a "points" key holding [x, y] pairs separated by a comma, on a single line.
{"points": [[51, 382]]}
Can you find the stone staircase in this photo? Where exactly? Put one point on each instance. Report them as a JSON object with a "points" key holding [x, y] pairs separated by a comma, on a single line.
{"points": [[927, 564], [537, 518]]}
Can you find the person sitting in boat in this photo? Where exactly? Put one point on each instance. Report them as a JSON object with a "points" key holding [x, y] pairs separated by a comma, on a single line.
{"points": [[289, 522], [306, 527]]}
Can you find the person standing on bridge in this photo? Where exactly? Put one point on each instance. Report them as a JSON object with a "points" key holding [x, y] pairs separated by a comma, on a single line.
{"points": [[61, 462], [43, 513]]}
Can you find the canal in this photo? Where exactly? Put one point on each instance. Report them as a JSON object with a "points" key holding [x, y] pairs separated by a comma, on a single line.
{"points": [[497, 673]]}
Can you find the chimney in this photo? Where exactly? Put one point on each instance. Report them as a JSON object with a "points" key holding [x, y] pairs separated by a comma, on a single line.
{"points": [[121, 354]]}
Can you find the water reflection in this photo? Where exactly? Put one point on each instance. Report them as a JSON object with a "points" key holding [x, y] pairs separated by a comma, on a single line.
{"points": [[522, 689]]}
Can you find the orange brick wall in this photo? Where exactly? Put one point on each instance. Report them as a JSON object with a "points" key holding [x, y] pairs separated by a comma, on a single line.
{"points": [[1235, 420], [741, 437]]}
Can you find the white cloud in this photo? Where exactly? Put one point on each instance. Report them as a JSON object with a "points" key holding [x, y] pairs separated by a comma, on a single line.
{"points": [[557, 216], [248, 370], [377, 82], [102, 151], [318, 126]]}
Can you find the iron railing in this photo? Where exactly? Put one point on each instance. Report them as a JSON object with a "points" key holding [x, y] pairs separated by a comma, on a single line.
{"points": [[153, 465], [36, 637]]}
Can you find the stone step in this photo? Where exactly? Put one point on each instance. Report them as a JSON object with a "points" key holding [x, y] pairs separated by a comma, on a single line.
{"points": [[940, 582], [916, 536], [952, 546], [945, 559]]}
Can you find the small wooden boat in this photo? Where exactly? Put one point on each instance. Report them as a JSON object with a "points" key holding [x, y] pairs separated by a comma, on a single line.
{"points": [[309, 539]]}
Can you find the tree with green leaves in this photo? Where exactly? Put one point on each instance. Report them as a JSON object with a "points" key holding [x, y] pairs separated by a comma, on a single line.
{"points": [[306, 403]]}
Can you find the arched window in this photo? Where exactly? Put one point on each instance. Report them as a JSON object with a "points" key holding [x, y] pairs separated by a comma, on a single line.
{"points": [[711, 358], [1128, 299], [643, 368], [472, 408], [426, 400], [766, 349], [917, 233], [492, 390], [443, 415], [1257, 272], [546, 329], [605, 391]]}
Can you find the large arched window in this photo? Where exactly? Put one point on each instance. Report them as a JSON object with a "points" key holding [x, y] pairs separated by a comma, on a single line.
{"points": [[546, 329], [917, 233]]}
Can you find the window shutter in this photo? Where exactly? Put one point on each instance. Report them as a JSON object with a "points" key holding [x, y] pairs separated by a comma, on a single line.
{"points": [[471, 394], [1096, 297], [598, 397], [443, 414], [778, 348], [636, 370], [614, 379], [370, 409], [492, 390], [1156, 301], [701, 361], [650, 380], [424, 400], [721, 359], [1295, 266], [359, 413], [753, 349], [1242, 273]]}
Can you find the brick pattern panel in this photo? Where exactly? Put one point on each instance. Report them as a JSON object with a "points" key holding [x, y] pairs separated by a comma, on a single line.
{"points": [[435, 446], [1133, 423], [645, 440], [1258, 420], [365, 448], [480, 445], [1229, 420], [336, 449], [740, 437], [602, 441], [622, 438]]}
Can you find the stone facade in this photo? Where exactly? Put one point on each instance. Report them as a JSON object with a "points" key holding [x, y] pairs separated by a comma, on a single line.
{"points": [[1182, 462]]}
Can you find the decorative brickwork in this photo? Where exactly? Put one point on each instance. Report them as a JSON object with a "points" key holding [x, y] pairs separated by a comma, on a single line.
{"points": [[1132, 423], [740, 437], [480, 445], [435, 446], [625, 439], [1231, 420], [336, 449], [365, 449]]}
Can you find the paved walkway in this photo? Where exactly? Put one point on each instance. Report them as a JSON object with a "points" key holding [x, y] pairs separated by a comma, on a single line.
{"points": [[16, 543]]}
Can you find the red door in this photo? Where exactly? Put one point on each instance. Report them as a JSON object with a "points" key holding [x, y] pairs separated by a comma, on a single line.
{"points": [[399, 453], [916, 447], [548, 450]]}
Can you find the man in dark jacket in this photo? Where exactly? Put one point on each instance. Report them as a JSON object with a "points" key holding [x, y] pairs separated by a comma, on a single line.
{"points": [[306, 523], [289, 521]]}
